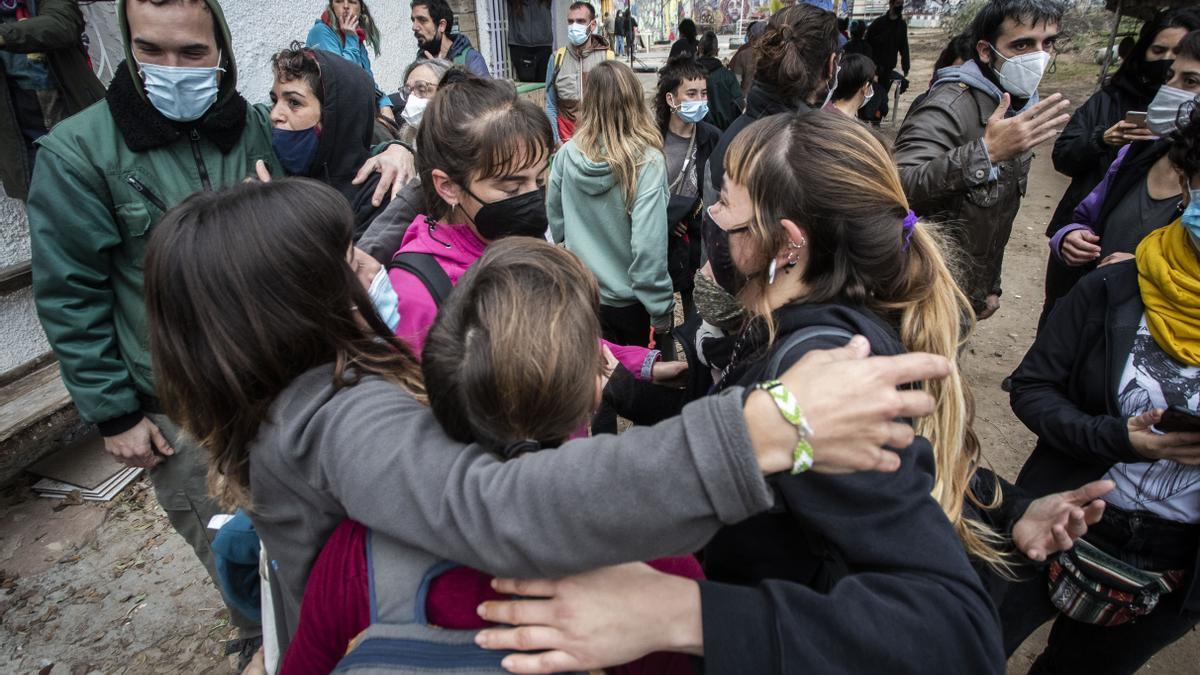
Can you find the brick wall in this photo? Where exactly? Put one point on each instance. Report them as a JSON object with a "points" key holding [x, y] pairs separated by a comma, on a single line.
{"points": [[465, 16]]}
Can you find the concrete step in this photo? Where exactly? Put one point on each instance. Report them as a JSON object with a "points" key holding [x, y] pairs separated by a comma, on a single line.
{"points": [[36, 418]]}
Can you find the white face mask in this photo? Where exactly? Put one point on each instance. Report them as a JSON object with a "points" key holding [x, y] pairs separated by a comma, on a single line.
{"points": [[1021, 75], [1164, 110], [383, 298], [180, 93], [414, 109]]}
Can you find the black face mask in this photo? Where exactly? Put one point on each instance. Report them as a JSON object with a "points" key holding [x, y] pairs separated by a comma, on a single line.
{"points": [[521, 216], [716, 242], [1155, 72]]}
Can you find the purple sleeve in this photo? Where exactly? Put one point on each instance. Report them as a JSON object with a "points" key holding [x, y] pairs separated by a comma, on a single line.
{"points": [[1087, 214]]}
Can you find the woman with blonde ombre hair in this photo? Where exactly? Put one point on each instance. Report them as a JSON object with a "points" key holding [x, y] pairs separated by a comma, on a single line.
{"points": [[818, 224], [817, 262], [607, 200]]}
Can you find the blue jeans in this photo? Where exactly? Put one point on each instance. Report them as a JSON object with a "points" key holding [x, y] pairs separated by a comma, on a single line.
{"points": [[619, 45]]}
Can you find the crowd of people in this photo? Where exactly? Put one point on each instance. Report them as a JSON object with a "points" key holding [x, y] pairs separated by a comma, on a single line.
{"points": [[395, 332]]}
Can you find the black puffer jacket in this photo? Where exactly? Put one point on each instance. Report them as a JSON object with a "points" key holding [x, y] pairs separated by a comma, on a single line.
{"points": [[769, 605]]}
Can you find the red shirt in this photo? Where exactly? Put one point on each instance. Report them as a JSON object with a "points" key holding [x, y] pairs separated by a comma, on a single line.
{"points": [[337, 606]]}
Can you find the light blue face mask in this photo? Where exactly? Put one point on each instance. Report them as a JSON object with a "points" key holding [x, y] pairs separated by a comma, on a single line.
{"points": [[180, 93], [1191, 215], [692, 111], [577, 34], [384, 299]]}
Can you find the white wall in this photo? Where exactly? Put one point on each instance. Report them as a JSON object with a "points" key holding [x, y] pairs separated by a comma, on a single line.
{"points": [[262, 27], [20, 333]]}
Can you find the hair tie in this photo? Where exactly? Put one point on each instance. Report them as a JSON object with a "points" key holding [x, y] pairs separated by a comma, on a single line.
{"points": [[910, 222]]}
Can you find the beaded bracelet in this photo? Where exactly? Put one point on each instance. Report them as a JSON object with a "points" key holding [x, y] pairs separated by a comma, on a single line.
{"points": [[802, 456]]}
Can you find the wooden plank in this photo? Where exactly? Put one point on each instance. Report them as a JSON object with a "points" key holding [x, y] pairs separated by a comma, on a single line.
{"points": [[31, 399], [16, 277]]}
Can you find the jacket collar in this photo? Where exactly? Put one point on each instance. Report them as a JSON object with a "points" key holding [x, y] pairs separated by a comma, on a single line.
{"points": [[1136, 164], [144, 128]]}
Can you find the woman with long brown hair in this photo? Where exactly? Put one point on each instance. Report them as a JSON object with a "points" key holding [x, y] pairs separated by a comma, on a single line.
{"points": [[267, 350], [607, 200]]}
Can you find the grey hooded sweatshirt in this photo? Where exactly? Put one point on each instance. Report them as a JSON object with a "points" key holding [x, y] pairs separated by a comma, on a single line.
{"points": [[372, 453]]}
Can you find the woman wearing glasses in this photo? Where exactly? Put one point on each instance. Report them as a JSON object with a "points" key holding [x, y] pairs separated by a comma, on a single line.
{"points": [[420, 84]]}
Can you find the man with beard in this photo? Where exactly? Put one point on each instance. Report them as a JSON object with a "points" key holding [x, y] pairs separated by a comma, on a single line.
{"points": [[964, 153], [432, 22]]}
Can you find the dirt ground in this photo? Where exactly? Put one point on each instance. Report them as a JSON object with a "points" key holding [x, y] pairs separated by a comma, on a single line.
{"points": [[111, 589]]}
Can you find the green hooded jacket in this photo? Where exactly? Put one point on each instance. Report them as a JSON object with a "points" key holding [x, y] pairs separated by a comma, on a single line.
{"points": [[103, 179]]}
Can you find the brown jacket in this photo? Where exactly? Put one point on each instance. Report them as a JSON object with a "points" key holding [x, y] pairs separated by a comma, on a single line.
{"points": [[948, 178]]}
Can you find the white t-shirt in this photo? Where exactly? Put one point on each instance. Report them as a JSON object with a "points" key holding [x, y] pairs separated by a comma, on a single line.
{"points": [[1152, 379]]}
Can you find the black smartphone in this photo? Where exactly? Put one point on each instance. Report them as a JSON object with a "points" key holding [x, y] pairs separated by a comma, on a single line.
{"points": [[1178, 418]]}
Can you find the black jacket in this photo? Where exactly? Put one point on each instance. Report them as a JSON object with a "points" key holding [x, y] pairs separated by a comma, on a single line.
{"points": [[859, 46], [887, 37], [910, 602], [1080, 151], [761, 102], [682, 47], [347, 129], [1065, 389], [725, 100]]}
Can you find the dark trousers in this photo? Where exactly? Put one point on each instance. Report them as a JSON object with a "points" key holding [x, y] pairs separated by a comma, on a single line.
{"points": [[1077, 647], [1060, 279], [629, 326], [530, 63]]}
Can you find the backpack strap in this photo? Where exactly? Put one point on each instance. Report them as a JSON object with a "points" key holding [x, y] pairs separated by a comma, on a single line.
{"points": [[789, 345], [559, 55], [461, 58], [425, 267]]}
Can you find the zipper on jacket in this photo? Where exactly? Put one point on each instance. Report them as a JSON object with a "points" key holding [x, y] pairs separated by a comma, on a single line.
{"points": [[145, 192], [195, 137]]}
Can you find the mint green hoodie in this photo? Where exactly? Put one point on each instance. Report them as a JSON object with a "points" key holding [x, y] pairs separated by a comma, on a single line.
{"points": [[626, 250]]}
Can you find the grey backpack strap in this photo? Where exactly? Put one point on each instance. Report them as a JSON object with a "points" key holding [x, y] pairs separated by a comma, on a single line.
{"points": [[794, 340], [425, 267]]}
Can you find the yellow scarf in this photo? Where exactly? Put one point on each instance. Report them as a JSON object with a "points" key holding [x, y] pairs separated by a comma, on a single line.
{"points": [[1169, 278]]}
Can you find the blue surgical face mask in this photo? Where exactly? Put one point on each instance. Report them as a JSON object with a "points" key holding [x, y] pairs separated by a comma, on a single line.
{"points": [[577, 34], [692, 111], [295, 149], [1191, 215], [180, 93], [384, 300]]}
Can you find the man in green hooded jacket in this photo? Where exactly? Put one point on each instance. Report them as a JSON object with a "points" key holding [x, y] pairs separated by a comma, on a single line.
{"points": [[172, 123]]}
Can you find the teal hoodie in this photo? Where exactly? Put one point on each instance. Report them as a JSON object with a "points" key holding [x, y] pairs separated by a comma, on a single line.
{"points": [[626, 250]]}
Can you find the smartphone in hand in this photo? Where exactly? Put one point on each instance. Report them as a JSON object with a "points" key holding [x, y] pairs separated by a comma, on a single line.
{"points": [[1135, 117], [1178, 418]]}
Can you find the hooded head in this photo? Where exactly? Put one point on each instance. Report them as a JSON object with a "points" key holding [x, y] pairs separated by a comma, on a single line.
{"points": [[177, 33], [318, 90]]}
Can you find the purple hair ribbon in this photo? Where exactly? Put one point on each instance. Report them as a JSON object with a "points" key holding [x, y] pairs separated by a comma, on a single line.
{"points": [[910, 222]]}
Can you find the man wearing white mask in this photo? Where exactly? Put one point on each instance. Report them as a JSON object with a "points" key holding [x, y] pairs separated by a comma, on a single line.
{"points": [[964, 152], [172, 123], [567, 71]]}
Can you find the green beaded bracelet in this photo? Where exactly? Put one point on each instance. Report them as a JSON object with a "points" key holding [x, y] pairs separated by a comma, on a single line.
{"points": [[802, 456]]}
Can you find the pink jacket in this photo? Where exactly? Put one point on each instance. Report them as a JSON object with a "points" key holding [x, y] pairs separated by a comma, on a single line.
{"points": [[456, 247]]}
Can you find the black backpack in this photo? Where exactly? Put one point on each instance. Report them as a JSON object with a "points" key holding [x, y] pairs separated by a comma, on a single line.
{"points": [[425, 267]]}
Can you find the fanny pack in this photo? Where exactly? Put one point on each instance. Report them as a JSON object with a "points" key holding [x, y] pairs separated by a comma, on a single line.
{"points": [[1088, 585]]}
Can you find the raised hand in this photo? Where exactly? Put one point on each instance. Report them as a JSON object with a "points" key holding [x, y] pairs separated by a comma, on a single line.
{"points": [[1053, 523], [1009, 137]]}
